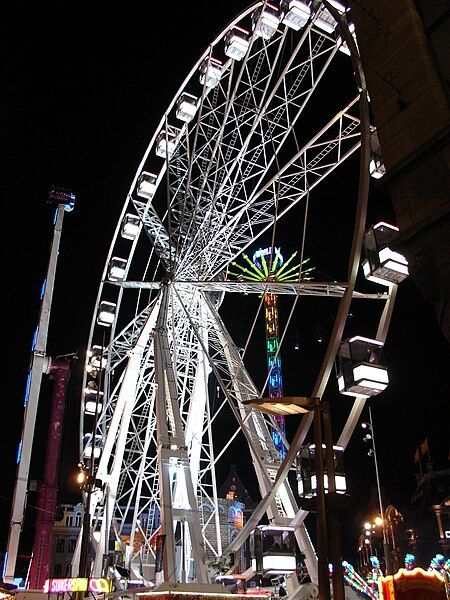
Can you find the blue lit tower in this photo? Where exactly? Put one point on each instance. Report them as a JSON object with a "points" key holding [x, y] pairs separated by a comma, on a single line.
{"points": [[269, 265], [64, 201]]}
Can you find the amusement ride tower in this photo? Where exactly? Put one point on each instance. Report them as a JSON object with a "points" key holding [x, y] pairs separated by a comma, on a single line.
{"points": [[269, 266], [40, 363]]}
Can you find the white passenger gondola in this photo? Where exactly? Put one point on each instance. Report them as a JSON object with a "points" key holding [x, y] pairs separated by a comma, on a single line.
{"points": [[93, 399], [236, 43], [306, 472], [96, 359], [360, 372], [295, 13], [117, 268], [265, 21], [88, 451], [211, 72], [106, 313], [186, 107], [166, 142], [146, 185], [381, 264], [273, 550], [130, 227]]}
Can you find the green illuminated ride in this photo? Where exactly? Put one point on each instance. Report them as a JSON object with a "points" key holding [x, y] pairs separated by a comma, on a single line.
{"points": [[269, 265]]}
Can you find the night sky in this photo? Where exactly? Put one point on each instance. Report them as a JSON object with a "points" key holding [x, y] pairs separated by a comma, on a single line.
{"points": [[86, 87]]}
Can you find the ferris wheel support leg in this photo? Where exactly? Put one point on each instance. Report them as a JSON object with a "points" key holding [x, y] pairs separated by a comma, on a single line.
{"points": [[241, 383], [355, 255], [235, 383], [173, 457], [117, 435], [169, 562]]}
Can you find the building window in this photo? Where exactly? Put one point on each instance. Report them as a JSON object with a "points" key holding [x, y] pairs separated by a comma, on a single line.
{"points": [[71, 546], [78, 519], [68, 569], [60, 546], [57, 569], [69, 522]]}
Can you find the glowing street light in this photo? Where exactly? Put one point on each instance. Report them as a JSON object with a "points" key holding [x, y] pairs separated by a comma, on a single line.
{"points": [[370, 437]]}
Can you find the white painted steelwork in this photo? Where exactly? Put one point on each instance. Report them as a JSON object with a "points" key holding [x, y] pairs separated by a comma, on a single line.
{"points": [[236, 169], [40, 364]]}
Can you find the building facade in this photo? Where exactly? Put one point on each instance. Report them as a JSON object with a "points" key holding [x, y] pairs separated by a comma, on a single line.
{"points": [[404, 51], [67, 526]]}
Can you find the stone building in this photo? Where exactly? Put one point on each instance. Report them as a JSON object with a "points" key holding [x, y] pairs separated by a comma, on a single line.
{"points": [[67, 526], [404, 50]]}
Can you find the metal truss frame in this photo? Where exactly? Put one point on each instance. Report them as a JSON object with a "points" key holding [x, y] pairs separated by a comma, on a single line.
{"points": [[238, 167]]}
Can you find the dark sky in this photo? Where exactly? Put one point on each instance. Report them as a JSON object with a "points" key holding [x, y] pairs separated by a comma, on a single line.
{"points": [[86, 87]]}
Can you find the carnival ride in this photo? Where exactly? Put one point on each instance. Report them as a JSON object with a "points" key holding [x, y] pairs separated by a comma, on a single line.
{"points": [[273, 269], [40, 569], [41, 364], [227, 162]]}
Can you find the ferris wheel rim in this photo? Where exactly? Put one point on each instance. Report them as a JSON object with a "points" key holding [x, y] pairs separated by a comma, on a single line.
{"points": [[218, 39], [161, 174]]}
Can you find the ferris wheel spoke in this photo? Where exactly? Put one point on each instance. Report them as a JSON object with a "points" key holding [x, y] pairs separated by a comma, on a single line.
{"points": [[237, 386], [337, 141], [259, 439], [244, 118], [156, 231], [247, 159]]}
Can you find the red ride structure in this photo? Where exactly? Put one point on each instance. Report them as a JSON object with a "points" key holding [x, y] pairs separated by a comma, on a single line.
{"points": [[48, 492]]}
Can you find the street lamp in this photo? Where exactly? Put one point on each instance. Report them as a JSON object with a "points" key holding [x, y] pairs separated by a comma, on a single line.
{"points": [[370, 437]]}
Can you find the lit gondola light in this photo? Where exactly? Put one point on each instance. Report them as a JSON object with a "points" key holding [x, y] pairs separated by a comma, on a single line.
{"points": [[325, 22], [273, 550], [146, 185], [106, 313], [360, 372], [211, 72], [295, 13], [117, 269], [186, 107], [130, 227], [236, 43], [306, 472], [166, 143], [96, 360], [265, 21], [92, 399], [380, 263], [87, 445]]}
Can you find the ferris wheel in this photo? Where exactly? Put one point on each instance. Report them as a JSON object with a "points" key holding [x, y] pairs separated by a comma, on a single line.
{"points": [[228, 161]]}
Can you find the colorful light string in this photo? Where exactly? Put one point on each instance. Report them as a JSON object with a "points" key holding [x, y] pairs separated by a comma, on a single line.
{"points": [[269, 265]]}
